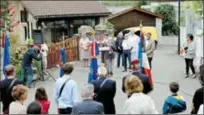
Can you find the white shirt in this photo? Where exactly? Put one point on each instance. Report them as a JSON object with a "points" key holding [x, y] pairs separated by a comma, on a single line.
{"points": [[45, 48], [126, 44], [200, 111], [17, 108], [134, 40], [139, 103], [84, 42]]}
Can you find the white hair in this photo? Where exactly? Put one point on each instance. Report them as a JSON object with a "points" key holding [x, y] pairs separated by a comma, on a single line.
{"points": [[102, 71], [87, 92], [120, 34]]}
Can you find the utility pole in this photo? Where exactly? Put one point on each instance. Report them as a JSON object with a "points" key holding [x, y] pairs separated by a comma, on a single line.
{"points": [[179, 37]]}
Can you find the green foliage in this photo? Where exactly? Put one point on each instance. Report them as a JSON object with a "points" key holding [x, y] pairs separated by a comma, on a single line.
{"points": [[141, 3], [4, 4], [169, 25], [119, 3]]}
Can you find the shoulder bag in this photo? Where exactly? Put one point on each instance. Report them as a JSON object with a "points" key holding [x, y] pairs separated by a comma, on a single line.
{"points": [[10, 86], [61, 89]]}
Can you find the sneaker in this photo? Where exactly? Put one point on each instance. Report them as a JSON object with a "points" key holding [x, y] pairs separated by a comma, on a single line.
{"points": [[193, 76], [124, 70], [187, 76]]}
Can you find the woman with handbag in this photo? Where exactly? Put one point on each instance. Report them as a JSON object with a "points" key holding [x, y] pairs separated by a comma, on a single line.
{"points": [[105, 89], [109, 54]]}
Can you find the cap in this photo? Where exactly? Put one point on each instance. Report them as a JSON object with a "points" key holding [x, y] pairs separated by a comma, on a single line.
{"points": [[135, 61]]}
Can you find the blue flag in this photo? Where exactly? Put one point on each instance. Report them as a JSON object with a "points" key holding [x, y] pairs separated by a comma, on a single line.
{"points": [[6, 58], [140, 57], [93, 70], [63, 60]]}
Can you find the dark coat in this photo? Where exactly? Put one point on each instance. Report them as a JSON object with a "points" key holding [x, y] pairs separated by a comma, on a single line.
{"points": [[106, 94], [145, 81], [28, 57], [88, 107], [118, 45]]}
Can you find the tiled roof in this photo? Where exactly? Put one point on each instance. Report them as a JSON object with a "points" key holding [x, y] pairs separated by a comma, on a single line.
{"points": [[46, 9], [137, 9]]}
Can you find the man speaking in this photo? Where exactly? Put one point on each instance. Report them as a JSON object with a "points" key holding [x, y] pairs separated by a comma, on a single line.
{"points": [[32, 52]]}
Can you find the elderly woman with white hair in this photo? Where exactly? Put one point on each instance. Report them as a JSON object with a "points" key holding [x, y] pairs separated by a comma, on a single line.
{"points": [[88, 105], [105, 90]]}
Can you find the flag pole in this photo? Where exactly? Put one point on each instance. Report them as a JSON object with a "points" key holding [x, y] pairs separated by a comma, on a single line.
{"points": [[63, 40], [140, 45]]}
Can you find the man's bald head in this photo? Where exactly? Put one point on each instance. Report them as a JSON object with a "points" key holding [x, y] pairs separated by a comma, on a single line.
{"points": [[9, 70]]}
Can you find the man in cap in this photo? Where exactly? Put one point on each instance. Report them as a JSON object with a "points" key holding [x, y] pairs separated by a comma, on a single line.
{"points": [[33, 52], [144, 78]]}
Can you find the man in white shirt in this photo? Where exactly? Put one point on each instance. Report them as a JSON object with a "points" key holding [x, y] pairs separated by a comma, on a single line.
{"points": [[134, 40], [127, 47], [44, 51]]}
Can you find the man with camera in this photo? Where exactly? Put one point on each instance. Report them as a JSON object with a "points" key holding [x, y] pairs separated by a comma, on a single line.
{"points": [[33, 52]]}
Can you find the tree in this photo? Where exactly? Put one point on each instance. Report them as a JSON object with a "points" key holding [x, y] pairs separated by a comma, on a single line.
{"points": [[4, 15], [141, 3], [169, 25]]}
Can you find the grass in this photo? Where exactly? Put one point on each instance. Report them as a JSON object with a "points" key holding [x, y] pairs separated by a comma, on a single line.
{"points": [[119, 3]]}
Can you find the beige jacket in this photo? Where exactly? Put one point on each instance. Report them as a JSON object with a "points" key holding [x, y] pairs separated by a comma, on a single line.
{"points": [[150, 47]]}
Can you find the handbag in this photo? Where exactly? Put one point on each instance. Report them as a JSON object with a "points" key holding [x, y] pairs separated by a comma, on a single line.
{"points": [[102, 84]]}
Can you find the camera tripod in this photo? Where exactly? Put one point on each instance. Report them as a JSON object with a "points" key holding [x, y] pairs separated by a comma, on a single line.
{"points": [[41, 75]]}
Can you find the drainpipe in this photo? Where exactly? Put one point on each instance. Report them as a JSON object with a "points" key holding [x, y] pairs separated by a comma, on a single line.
{"points": [[179, 37]]}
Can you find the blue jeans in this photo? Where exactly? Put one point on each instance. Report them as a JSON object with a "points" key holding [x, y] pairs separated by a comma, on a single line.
{"points": [[119, 59], [126, 56], [24, 71]]}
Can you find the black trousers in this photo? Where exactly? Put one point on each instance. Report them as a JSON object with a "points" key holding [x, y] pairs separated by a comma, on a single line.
{"points": [[67, 110], [189, 64], [119, 59], [150, 62]]}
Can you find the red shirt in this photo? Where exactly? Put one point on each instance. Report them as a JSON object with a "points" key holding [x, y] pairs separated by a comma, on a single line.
{"points": [[45, 105]]}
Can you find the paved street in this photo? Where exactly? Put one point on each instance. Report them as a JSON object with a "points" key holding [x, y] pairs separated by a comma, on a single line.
{"points": [[167, 67]]}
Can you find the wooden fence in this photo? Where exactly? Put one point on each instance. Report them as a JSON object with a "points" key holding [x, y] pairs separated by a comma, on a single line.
{"points": [[72, 51]]}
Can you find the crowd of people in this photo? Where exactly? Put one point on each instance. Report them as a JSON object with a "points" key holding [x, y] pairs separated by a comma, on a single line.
{"points": [[98, 95], [126, 46]]}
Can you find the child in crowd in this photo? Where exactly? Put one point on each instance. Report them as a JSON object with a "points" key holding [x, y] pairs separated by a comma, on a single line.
{"points": [[174, 103], [34, 108], [41, 97]]}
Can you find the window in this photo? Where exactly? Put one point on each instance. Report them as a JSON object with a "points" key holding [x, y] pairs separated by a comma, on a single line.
{"points": [[25, 33], [23, 16], [28, 29], [31, 29]]}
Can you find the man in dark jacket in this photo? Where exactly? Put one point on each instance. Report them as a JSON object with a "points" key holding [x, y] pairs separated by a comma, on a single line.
{"points": [[29, 55], [6, 86], [198, 95], [88, 105], [105, 90], [144, 78], [118, 44]]}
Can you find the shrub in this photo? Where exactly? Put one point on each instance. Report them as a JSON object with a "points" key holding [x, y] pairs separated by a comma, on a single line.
{"points": [[169, 25]]}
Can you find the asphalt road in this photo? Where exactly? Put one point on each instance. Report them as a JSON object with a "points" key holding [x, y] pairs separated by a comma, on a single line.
{"points": [[167, 67]]}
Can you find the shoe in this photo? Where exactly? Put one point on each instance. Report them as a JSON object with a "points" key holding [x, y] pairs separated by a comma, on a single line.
{"points": [[187, 76], [31, 86], [124, 70], [193, 76]]}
